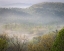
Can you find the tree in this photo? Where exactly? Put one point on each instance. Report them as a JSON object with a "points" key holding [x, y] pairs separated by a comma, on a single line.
{"points": [[3, 44], [59, 42], [17, 43], [44, 43]]}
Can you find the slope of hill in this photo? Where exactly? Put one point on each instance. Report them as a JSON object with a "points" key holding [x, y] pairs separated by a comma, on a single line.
{"points": [[42, 13]]}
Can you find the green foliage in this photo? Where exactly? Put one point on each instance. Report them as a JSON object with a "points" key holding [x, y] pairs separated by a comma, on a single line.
{"points": [[59, 42], [3, 44]]}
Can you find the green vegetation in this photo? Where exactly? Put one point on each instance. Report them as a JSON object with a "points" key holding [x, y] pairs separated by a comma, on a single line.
{"points": [[3, 44], [59, 42]]}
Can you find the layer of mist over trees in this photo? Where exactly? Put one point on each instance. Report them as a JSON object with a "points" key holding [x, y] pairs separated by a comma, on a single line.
{"points": [[39, 19], [48, 42]]}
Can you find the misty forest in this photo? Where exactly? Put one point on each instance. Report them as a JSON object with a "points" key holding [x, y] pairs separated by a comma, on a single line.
{"points": [[39, 27]]}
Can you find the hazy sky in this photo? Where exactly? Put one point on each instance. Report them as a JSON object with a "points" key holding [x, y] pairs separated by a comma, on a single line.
{"points": [[23, 3]]}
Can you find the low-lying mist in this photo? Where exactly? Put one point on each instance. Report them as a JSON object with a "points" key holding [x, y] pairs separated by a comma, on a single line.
{"points": [[28, 31]]}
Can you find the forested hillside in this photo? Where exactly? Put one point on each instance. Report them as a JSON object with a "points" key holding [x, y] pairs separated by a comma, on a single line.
{"points": [[37, 28], [43, 13]]}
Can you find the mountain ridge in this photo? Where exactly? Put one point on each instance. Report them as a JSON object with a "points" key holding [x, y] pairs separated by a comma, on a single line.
{"points": [[41, 13]]}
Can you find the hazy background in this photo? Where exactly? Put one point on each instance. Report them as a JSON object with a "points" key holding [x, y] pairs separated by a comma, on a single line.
{"points": [[41, 16], [23, 3]]}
